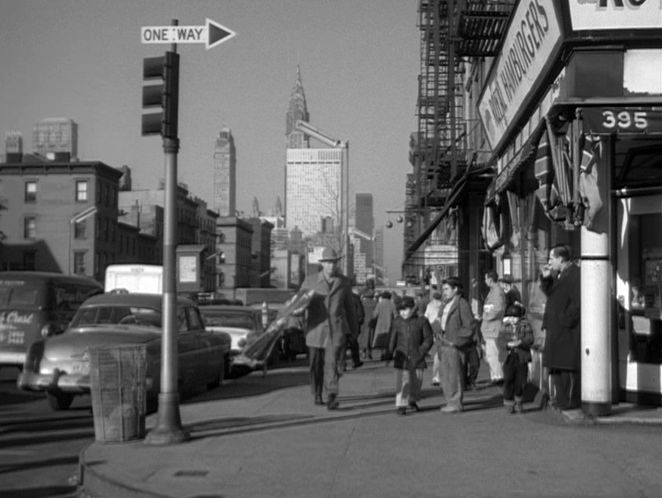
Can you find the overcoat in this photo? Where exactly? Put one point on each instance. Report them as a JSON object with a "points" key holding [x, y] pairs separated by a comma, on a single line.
{"points": [[413, 338], [562, 319], [331, 315], [493, 311], [459, 324]]}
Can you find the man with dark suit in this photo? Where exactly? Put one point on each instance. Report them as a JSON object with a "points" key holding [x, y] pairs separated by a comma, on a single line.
{"points": [[560, 281], [330, 320]]}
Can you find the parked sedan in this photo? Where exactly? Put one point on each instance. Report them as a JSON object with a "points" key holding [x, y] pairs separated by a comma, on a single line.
{"points": [[60, 365], [238, 321]]}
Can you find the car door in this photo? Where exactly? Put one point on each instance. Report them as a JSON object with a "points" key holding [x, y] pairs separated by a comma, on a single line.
{"points": [[187, 352]]}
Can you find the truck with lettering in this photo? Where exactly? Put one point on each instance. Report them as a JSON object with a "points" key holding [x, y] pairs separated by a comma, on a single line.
{"points": [[35, 305], [139, 278]]}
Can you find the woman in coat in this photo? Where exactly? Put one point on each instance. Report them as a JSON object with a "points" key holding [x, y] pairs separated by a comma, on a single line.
{"points": [[385, 312], [456, 323]]}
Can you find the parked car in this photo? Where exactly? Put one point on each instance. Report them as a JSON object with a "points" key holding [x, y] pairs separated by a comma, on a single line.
{"points": [[60, 365], [293, 341], [238, 321], [35, 305]]}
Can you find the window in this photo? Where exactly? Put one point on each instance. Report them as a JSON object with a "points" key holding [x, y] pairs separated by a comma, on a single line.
{"points": [[79, 262], [30, 227], [81, 190], [30, 191], [80, 230]]}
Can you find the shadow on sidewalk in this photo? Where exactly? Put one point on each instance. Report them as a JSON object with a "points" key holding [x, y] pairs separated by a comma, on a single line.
{"points": [[254, 384], [241, 425]]}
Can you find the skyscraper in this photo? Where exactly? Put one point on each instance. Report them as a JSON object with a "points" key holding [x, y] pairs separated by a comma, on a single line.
{"points": [[225, 174], [312, 176], [298, 110], [364, 225]]}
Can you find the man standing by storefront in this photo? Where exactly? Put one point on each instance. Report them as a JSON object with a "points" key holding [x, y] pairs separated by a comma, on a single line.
{"points": [[493, 311], [330, 319], [560, 281]]}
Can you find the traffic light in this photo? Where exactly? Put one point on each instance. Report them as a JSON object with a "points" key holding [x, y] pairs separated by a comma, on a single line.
{"points": [[164, 94]]}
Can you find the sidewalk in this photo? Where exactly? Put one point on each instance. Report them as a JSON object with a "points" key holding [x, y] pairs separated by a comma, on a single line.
{"points": [[254, 438]]}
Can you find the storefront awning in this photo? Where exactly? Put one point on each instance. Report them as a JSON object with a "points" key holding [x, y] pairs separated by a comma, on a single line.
{"points": [[451, 200], [523, 159]]}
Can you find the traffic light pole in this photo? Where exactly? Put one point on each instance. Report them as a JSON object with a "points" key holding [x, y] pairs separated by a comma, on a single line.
{"points": [[169, 428]]}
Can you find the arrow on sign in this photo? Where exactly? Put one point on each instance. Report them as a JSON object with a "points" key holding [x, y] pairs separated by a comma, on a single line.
{"points": [[211, 34]]}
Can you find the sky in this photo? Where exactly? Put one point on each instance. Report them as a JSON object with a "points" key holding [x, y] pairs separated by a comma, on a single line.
{"points": [[359, 60]]}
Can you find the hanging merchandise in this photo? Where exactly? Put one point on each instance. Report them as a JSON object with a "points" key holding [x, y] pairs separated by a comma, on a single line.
{"points": [[591, 153]]}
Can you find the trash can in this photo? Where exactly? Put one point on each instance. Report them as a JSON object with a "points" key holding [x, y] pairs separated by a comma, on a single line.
{"points": [[117, 385]]}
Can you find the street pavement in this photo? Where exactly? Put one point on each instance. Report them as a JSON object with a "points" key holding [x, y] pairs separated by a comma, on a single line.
{"points": [[263, 437]]}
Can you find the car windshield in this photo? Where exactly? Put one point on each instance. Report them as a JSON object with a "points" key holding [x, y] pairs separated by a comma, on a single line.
{"points": [[116, 315], [219, 318]]}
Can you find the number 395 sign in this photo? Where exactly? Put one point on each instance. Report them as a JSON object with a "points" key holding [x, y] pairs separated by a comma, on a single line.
{"points": [[622, 119]]}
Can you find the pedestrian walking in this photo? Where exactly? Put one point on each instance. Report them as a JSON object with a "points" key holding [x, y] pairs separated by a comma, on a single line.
{"points": [[456, 321], [409, 344], [560, 281], [384, 313], [366, 337], [330, 319], [517, 334], [433, 315], [353, 339], [493, 310]]}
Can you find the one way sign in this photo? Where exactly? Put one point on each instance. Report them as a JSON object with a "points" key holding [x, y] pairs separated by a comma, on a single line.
{"points": [[211, 34]]}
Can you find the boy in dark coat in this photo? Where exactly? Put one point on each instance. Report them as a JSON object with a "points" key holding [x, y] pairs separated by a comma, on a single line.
{"points": [[410, 342], [517, 337]]}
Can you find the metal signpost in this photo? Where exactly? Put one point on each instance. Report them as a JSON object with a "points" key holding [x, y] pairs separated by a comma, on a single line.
{"points": [[165, 94]]}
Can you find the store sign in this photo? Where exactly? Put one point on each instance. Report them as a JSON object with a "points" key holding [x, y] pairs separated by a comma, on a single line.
{"points": [[528, 49], [623, 119], [615, 14]]}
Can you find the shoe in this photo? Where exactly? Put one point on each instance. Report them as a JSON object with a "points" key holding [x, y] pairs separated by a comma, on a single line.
{"points": [[414, 406], [318, 400], [401, 411], [509, 409], [450, 409], [332, 403], [518, 408], [435, 382]]}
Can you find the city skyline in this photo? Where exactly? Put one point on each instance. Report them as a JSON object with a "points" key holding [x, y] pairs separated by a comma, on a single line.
{"points": [[359, 63]]}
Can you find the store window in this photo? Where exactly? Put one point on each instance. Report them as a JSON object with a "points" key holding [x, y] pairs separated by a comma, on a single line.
{"points": [[640, 267]]}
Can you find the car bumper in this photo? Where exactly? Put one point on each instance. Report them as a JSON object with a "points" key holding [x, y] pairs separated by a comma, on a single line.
{"points": [[12, 358], [56, 381]]}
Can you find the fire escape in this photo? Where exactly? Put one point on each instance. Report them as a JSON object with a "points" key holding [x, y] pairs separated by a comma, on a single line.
{"points": [[452, 31]]}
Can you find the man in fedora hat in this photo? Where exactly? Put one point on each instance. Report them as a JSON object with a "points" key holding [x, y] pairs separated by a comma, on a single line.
{"points": [[330, 319]]}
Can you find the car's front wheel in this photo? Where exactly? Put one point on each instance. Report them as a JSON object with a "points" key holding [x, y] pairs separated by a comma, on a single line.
{"points": [[59, 400]]}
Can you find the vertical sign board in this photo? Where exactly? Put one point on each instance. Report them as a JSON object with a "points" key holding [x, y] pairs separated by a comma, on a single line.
{"points": [[529, 50]]}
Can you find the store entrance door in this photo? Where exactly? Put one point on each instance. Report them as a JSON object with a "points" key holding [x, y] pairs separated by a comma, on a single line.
{"points": [[639, 291]]}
